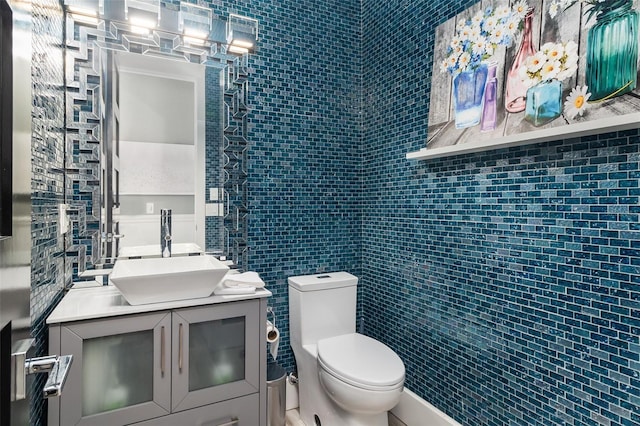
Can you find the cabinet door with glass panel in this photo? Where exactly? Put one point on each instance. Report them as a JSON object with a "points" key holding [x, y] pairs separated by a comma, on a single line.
{"points": [[121, 370], [215, 354]]}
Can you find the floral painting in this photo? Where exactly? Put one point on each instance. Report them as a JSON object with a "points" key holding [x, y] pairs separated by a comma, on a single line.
{"points": [[523, 69]]}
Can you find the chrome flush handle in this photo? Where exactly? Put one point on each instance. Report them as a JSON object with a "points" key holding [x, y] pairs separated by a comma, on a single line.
{"points": [[21, 366]]}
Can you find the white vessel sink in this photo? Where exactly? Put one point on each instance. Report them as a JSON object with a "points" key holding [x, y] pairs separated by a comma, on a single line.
{"points": [[157, 280]]}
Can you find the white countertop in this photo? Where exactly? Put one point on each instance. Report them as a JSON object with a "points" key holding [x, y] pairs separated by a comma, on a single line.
{"points": [[106, 301], [153, 250]]}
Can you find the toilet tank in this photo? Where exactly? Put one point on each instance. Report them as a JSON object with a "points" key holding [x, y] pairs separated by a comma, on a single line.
{"points": [[321, 306]]}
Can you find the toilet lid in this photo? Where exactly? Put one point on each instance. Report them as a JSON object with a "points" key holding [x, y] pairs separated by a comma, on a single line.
{"points": [[360, 360]]}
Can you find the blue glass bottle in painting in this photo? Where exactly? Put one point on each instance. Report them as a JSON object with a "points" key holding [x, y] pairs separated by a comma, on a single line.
{"points": [[468, 95], [543, 102], [490, 106], [612, 51]]}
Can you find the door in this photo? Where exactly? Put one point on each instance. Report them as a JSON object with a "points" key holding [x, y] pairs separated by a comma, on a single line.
{"points": [[15, 252], [121, 370], [216, 353]]}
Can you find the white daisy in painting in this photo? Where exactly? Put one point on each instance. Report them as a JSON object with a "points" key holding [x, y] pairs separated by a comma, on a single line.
{"points": [[553, 60], [553, 9], [464, 60], [479, 35], [474, 33], [481, 46], [555, 52], [444, 65], [534, 62], [499, 35], [502, 12], [528, 79], [576, 102], [550, 69], [489, 23], [477, 18], [512, 25], [520, 9], [455, 42], [465, 33], [547, 46]]}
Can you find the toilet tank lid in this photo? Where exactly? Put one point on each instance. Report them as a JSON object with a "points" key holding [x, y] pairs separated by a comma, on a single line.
{"points": [[324, 281]]}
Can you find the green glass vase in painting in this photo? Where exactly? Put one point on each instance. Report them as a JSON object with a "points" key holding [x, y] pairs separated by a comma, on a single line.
{"points": [[612, 51]]}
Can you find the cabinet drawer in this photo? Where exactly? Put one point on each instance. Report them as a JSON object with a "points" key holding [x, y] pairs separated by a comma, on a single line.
{"points": [[243, 411]]}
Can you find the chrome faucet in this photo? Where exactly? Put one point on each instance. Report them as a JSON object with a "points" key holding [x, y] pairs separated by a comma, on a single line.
{"points": [[165, 232]]}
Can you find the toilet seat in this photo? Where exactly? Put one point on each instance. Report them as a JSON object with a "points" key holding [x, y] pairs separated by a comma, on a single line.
{"points": [[361, 362]]}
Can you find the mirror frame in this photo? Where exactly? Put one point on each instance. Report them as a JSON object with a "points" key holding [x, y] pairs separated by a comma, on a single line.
{"points": [[85, 37]]}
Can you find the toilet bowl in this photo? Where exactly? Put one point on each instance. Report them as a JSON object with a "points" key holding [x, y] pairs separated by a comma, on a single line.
{"points": [[345, 378], [360, 374]]}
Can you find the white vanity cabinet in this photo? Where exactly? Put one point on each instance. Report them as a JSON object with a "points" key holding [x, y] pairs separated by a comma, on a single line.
{"points": [[192, 362]]}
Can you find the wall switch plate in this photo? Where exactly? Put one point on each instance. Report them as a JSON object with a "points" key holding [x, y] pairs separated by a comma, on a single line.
{"points": [[214, 210], [150, 208], [64, 223]]}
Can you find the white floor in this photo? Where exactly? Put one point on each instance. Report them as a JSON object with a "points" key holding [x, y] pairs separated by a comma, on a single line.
{"points": [[293, 419]]}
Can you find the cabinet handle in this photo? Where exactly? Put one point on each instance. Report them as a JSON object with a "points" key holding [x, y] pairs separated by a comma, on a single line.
{"points": [[180, 347], [162, 350]]}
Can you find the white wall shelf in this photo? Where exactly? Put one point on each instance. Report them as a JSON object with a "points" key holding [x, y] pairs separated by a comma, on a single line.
{"points": [[609, 124]]}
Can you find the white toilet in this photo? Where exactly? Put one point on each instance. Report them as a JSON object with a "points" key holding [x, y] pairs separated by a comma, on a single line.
{"points": [[345, 378]]}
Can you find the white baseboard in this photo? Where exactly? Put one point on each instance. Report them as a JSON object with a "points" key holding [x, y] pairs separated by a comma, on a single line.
{"points": [[411, 410], [415, 411]]}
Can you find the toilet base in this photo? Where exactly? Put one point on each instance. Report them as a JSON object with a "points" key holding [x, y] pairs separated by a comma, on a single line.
{"points": [[314, 401], [334, 419]]}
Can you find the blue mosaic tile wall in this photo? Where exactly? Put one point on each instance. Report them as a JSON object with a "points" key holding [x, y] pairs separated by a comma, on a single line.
{"points": [[47, 249], [305, 145], [510, 286], [304, 163]]}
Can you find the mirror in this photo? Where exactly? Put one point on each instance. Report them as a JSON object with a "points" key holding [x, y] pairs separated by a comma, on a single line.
{"points": [[154, 121], [161, 106]]}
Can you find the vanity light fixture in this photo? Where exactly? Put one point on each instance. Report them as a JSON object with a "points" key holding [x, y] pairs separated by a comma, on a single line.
{"points": [[191, 36], [85, 7], [82, 11], [198, 40], [242, 34], [85, 11], [195, 21], [143, 14]]}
